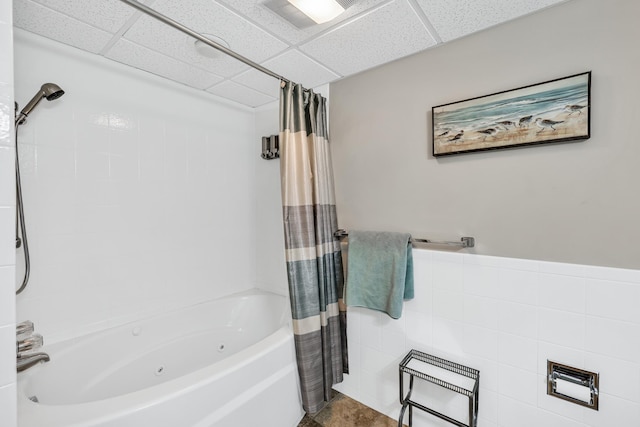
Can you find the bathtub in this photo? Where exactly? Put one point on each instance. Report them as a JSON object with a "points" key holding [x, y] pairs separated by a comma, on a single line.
{"points": [[227, 362]]}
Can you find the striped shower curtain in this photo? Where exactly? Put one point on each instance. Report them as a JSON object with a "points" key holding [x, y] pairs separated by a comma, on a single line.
{"points": [[314, 264]]}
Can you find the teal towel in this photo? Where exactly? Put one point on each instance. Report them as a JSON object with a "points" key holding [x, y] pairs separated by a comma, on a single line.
{"points": [[379, 271]]}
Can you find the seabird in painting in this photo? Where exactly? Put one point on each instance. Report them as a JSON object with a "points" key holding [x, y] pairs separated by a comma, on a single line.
{"points": [[487, 132], [506, 123], [525, 121], [457, 136], [545, 123], [573, 108]]}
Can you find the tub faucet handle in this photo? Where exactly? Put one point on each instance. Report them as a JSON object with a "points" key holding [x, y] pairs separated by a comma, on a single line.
{"points": [[24, 328], [29, 343]]}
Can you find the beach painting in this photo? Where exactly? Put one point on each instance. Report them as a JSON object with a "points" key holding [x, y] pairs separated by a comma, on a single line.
{"points": [[554, 111]]}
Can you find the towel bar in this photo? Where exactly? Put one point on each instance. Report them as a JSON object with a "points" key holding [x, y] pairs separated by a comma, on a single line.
{"points": [[465, 242]]}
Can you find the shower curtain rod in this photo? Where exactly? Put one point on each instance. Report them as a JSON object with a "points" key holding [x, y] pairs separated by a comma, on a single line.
{"points": [[162, 18]]}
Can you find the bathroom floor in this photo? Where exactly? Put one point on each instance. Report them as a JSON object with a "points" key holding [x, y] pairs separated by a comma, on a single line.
{"points": [[342, 411]]}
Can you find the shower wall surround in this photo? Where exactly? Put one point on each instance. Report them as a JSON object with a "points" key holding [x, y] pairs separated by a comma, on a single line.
{"points": [[7, 224], [506, 317], [139, 193]]}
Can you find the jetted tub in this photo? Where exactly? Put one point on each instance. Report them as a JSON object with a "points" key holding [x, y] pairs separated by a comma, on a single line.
{"points": [[227, 362]]}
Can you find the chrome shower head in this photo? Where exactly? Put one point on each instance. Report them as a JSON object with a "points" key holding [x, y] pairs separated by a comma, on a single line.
{"points": [[50, 91]]}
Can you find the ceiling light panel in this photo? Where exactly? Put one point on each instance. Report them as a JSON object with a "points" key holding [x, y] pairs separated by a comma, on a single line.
{"points": [[320, 11]]}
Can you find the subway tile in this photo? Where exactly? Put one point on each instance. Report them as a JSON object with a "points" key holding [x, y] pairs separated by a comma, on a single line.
{"points": [[563, 269], [7, 295], [518, 319], [448, 305], [444, 256], [481, 342], [550, 419], [488, 371], [612, 274], [419, 328], [55, 162], [613, 300], [518, 351], [7, 234], [512, 412], [501, 262], [612, 411], [562, 328], [613, 338], [480, 280], [480, 311], [447, 275], [371, 334], [519, 286], [488, 406], [448, 336], [353, 325], [518, 384], [618, 377], [6, 46], [7, 354], [8, 405], [566, 293], [7, 176]]}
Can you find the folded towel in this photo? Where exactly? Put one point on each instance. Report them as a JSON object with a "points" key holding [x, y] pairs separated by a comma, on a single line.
{"points": [[379, 271]]}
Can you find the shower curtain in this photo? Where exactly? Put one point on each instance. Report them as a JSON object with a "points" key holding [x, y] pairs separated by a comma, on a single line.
{"points": [[313, 256]]}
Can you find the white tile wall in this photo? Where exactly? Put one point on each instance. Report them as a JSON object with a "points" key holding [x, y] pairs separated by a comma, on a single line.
{"points": [[7, 218], [139, 192], [506, 317]]}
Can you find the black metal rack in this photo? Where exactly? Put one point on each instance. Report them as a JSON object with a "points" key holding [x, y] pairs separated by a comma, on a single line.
{"points": [[426, 367]]}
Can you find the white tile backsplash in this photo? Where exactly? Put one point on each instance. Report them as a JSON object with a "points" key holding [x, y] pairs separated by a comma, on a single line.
{"points": [[506, 318]]}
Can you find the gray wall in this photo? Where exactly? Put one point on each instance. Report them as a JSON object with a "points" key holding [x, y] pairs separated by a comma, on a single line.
{"points": [[575, 202]]}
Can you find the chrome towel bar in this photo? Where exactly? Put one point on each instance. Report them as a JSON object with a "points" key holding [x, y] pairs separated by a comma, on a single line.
{"points": [[465, 242]]}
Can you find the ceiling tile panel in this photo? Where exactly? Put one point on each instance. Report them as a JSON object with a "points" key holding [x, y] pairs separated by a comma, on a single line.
{"points": [[108, 15], [241, 94], [457, 18], [40, 20], [294, 66], [257, 12], [205, 17], [259, 81], [161, 65], [387, 33]]}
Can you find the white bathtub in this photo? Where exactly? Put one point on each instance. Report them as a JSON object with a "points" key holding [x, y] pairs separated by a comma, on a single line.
{"points": [[228, 362]]}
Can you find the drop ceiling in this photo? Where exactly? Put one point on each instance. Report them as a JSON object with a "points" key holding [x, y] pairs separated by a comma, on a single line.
{"points": [[367, 34]]}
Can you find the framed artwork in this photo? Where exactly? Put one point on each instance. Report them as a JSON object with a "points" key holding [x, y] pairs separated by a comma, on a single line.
{"points": [[549, 112]]}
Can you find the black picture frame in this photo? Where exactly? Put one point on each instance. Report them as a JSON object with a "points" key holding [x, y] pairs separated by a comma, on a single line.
{"points": [[553, 111]]}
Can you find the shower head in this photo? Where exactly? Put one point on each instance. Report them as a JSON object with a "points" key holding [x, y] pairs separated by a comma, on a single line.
{"points": [[50, 91]]}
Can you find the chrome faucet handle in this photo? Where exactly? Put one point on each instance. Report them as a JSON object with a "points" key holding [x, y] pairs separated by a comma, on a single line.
{"points": [[29, 343], [24, 328]]}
